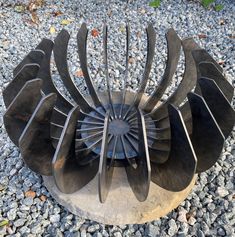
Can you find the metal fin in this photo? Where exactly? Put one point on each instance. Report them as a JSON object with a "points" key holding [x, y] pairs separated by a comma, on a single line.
{"points": [[178, 171], [207, 138], [27, 73], [60, 54], [82, 51], [139, 177], [218, 104], [174, 46], [35, 142], [21, 108]]}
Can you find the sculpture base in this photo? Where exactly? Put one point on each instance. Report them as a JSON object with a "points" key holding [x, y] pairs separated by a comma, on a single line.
{"points": [[121, 206]]}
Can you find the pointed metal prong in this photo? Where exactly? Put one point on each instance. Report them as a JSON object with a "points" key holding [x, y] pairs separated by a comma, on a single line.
{"points": [[35, 56], [82, 52], [218, 104], [207, 138], [178, 171], [105, 172], [44, 73], [105, 46], [60, 54], [187, 83], [209, 70], [69, 176], [139, 177], [126, 70], [35, 142], [27, 73], [21, 108], [173, 46]]}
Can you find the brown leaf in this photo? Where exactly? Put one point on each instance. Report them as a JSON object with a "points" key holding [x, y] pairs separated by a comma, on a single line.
{"points": [[30, 193], [95, 33], [131, 60], [57, 13], [43, 198], [232, 36], [202, 36], [222, 22], [34, 17], [79, 73]]}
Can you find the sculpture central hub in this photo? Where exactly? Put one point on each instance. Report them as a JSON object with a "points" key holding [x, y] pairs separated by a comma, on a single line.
{"points": [[118, 127]]}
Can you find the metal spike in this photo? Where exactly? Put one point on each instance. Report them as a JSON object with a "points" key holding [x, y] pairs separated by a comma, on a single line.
{"points": [[139, 177], [21, 108], [35, 142], [207, 138], [44, 73], [82, 51], [27, 73], [218, 104], [173, 46], [69, 176], [178, 171], [60, 54]]}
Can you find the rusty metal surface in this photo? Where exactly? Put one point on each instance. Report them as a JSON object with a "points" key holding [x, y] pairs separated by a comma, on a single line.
{"points": [[165, 144]]}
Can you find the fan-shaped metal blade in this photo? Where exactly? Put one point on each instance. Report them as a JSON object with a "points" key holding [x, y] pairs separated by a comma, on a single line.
{"points": [[69, 176], [209, 70], [173, 46], [207, 138], [139, 177], [35, 142], [21, 108], [82, 51], [178, 171], [187, 84], [218, 104], [35, 56], [105, 167], [44, 73], [27, 73], [60, 54]]}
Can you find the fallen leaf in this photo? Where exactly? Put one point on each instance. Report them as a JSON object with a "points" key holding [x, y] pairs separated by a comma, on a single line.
{"points": [[57, 13], [122, 29], [222, 22], [232, 36], [79, 73], [131, 60], [20, 8], [34, 17], [43, 198], [94, 32], [65, 22], [202, 36], [52, 30], [3, 223], [30, 193]]}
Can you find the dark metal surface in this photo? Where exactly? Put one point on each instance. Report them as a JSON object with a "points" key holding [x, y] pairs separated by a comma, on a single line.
{"points": [[166, 143]]}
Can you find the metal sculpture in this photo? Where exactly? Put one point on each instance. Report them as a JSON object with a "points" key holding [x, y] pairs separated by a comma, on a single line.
{"points": [[166, 144]]}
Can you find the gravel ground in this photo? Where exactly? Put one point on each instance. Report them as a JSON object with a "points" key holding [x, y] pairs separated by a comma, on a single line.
{"points": [[210, 209]]}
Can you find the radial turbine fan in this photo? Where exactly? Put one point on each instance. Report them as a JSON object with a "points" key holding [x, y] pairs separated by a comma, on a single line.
{"points": [[166, 144]]}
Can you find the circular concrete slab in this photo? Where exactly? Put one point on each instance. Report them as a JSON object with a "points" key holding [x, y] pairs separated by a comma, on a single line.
{"points": [[121, 206]]}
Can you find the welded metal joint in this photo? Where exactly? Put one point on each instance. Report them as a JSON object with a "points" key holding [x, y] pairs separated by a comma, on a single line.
{"points": [[163, 142]]}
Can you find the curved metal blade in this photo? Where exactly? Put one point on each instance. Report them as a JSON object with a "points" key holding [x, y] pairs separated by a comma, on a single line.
{"points": [[173, 46], [209, 70], [218, 104], [105, 170], [35, 56], [157, 156], [69, 176], [178, 171], [21, 108], [207, 138], [60, 54], [44, 73], [139, 177], [186, 85], [35, 142], [27, 73], [82, 52]]}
